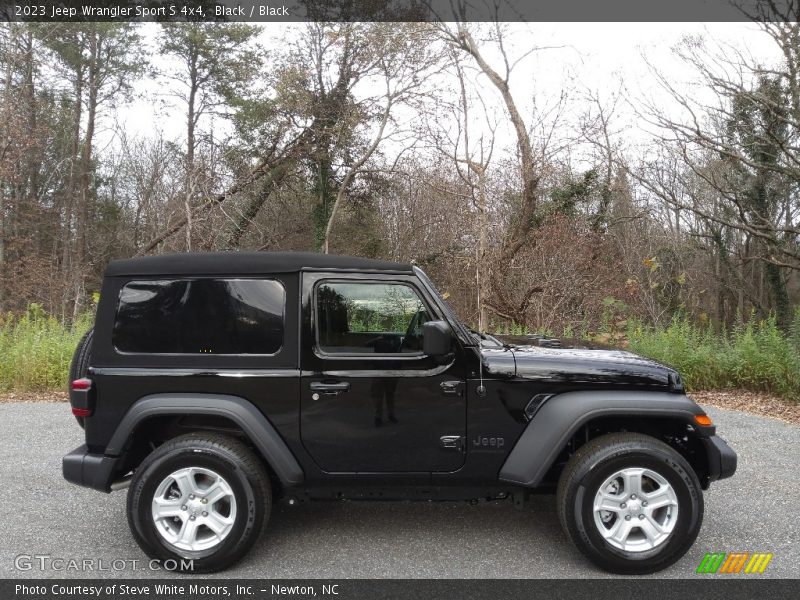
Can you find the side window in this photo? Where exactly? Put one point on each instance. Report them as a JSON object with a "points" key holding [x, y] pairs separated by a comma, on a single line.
{"points": [[369, 318], [200, 316]]}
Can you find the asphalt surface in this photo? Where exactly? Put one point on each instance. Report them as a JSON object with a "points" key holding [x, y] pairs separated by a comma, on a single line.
{"points": [[41, 514]]}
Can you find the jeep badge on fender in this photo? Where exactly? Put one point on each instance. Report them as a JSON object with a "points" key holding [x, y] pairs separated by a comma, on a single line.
{"points": [[213, 385], [490, 442]]}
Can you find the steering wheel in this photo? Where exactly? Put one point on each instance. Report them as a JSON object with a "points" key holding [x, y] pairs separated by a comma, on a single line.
{"points": [[383, 344], [413, 336]]}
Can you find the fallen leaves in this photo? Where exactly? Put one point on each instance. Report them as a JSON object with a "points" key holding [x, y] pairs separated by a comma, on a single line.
{"points": [[757, 403], [51, 396]]}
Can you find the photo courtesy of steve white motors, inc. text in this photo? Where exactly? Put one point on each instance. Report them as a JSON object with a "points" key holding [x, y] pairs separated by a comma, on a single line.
{"points": [[170, 589]]}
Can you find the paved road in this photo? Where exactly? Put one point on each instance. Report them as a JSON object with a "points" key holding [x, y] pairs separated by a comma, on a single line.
{"points": [[757, 510]]}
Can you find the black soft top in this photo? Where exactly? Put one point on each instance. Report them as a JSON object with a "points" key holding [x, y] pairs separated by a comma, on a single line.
{"points": [[246, 263]]}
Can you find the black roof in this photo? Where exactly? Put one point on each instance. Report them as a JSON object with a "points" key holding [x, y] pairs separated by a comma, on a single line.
{"points": [[250, 263]]}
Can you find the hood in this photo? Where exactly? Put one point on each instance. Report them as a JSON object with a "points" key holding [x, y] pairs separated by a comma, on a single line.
{"points": [[580, 366]]}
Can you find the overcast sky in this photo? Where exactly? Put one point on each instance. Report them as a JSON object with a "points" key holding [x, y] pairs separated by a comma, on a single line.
{"points": [[586, 56]]}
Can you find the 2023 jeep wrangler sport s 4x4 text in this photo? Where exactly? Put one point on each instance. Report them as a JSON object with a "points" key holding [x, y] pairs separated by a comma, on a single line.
{"points": [[217, 383]]}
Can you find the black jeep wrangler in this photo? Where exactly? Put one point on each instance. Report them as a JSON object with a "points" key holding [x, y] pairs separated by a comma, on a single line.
{"points": [[215, 384]]}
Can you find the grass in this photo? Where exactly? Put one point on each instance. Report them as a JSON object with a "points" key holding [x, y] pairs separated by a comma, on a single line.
{"points": [[36, 350], [755, 356]]}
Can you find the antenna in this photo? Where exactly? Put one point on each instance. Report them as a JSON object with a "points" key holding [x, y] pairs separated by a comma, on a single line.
{"points": [[481, 389]]}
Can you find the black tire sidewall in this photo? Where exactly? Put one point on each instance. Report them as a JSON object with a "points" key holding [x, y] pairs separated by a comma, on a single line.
{"points": [[80, 358], [690, 510], [79, 366], [249, 507]]}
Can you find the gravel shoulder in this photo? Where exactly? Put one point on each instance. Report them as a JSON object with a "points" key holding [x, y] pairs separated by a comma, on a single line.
{"points": [[392, 539]]}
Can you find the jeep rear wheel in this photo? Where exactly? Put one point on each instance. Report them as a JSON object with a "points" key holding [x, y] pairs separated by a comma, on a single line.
{"points": [[630, 503], [201, 497], [80, 361]]}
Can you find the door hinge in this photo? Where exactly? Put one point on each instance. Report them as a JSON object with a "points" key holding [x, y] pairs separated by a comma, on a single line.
{"points": [[452, 442]]}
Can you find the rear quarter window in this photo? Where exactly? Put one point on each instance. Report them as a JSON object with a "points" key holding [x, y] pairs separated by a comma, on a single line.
{"points": [[200, 316]]}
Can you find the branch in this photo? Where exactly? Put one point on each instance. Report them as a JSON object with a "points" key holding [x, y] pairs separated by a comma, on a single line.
{"points": [[266, 165]]}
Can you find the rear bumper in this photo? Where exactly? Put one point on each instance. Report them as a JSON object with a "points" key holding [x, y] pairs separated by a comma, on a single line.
{"points": [[91, 470], [721, 459]]}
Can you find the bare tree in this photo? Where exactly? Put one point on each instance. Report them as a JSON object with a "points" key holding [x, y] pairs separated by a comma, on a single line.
{"points": [[217, 66], [404, 62], [103, 59], [739, 163], [472, 159], [531, 164]]}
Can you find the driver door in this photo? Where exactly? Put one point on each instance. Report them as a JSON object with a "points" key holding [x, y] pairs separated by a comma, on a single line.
{"points": [[371, 401]]}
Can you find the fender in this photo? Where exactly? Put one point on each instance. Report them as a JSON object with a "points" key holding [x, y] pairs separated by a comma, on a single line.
{"points": [[237, 409], [562, 415]]}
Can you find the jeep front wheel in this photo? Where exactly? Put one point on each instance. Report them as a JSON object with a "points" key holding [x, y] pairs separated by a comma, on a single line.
{"points": [[200, 500], [630, 503]]}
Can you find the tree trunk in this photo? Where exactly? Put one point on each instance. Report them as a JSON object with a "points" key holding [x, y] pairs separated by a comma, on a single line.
{"points": [[29, 94], [530, 181], [190, 116], [272, 181], [95, 49], [519, 233], [7, 82], [779, 295], [191, 122], [326, 198], [355, 169], [69, 200], [483, 278]]}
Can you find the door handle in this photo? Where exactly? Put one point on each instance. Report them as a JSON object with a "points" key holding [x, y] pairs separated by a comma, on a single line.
{"points": [[330, 389]]}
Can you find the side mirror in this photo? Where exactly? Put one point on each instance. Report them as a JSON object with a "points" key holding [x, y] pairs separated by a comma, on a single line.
{"points": [[437, 339]]}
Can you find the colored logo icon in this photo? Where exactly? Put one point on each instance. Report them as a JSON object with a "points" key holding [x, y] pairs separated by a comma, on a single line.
{"points": [[735, 562]]}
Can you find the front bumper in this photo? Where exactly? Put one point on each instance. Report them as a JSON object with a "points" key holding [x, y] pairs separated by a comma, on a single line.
{"points": [[91, 470], [721, 459]]}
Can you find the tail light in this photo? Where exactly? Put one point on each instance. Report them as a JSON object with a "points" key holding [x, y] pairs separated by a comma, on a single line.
{"points": [[80, 397], [83, 384]]}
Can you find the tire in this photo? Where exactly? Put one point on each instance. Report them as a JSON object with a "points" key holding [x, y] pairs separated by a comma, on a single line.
{"points": [[245, 507], [611, 462], [80, 361]]}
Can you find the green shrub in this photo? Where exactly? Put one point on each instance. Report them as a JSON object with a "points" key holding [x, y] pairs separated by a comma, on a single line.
{"points": [[512, 328], [36, 350], [794, 329], [754, 355]]}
